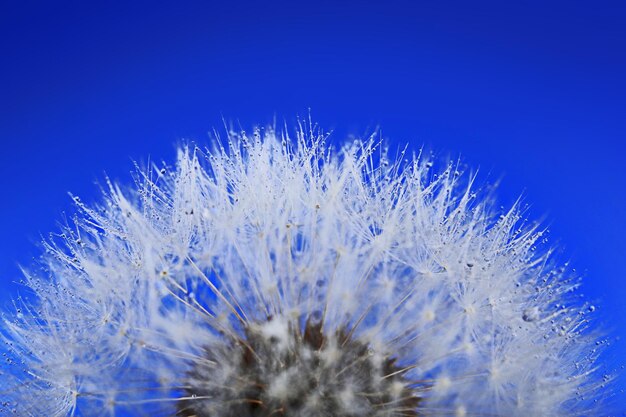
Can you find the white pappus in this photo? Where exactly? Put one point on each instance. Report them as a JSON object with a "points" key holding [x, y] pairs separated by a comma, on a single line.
{"points": [[277, 276]]}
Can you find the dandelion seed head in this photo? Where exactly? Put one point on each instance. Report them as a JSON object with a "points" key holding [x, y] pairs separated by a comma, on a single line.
{"points": [[277, 276]]}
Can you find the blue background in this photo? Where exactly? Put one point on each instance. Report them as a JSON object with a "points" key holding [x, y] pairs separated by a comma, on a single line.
{"points": [[532, 93]]}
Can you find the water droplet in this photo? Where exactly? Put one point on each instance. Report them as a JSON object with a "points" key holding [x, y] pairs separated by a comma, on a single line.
{"points": [[530, 314]]}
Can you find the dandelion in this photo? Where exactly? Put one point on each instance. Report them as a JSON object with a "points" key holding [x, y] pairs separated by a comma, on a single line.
{"points": [[277, 276]]}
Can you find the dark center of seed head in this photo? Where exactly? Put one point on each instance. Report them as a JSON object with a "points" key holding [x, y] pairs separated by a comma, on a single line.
{"points": [[278, 370]]}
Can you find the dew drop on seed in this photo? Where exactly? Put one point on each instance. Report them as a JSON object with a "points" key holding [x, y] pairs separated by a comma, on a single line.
{"points": [[530, 314]]}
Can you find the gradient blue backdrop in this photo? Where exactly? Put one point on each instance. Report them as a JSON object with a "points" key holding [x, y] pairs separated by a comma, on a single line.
{"points": [[531, 92]]}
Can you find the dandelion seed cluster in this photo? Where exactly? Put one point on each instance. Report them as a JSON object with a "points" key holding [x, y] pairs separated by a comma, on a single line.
{"points": [[277, 276]]}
